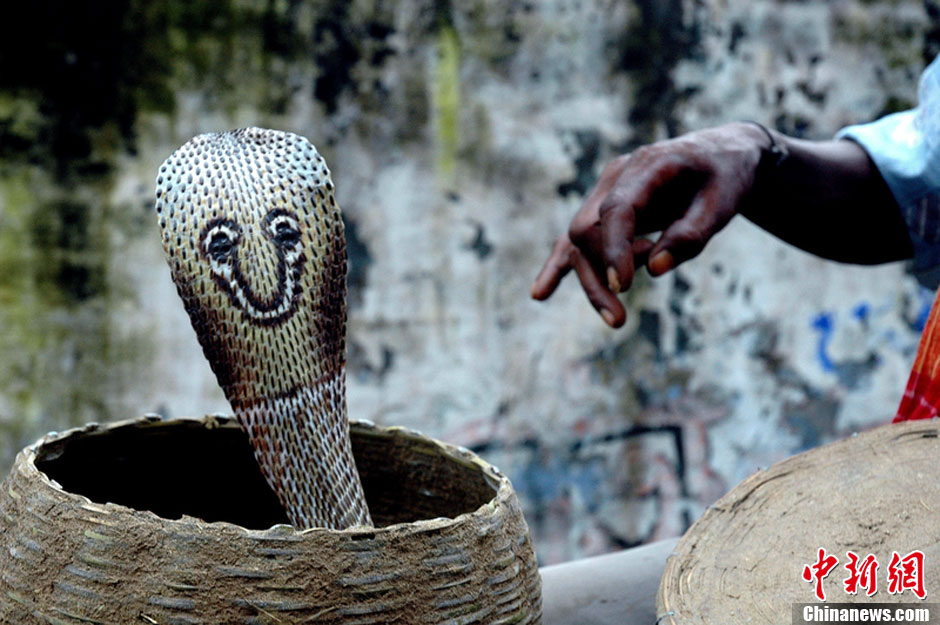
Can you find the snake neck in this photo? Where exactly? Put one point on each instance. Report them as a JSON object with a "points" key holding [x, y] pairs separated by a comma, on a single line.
{"points": [[302, 445]]}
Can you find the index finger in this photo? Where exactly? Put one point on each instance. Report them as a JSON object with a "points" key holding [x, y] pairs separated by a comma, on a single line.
{"points": [[556, 266], [602, 299]]}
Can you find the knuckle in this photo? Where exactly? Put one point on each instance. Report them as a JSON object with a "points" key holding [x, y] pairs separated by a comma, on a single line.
{"points": [[655, 154], [688, 236], [575, 233], [645, 152], [579, 230], [673, 160], [667, 157], [616, 201], [560, 244]]}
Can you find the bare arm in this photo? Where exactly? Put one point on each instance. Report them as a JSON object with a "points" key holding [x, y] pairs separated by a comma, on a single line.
{"points": [[829, 199], [825, 197]]}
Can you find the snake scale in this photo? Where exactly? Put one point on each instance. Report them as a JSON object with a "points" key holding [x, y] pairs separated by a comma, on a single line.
{"points": [[255, 243]]}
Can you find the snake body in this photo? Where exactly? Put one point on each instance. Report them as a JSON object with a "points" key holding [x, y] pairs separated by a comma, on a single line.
{"points": [[255, 243]]}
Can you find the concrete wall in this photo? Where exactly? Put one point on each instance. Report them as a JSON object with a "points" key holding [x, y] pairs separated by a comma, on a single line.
{"points": [[462, 136]]}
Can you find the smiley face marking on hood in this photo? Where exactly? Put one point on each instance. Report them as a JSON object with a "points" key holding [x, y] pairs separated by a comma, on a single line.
{"points": [[220, 246]]}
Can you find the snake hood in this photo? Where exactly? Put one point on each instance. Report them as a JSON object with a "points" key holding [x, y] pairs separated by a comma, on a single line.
{"points": [[255, 243]]}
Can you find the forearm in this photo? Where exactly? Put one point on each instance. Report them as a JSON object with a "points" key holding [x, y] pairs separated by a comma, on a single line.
{"points": [[829, 199]]}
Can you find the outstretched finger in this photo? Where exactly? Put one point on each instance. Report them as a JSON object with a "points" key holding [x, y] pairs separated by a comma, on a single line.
{"points": [[618, 227], [555, 268], [601, 298]]}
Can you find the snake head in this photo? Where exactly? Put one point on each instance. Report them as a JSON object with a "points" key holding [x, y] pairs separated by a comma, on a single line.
{"points": [[255, 244]]}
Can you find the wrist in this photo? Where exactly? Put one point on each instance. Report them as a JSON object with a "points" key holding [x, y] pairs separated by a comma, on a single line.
{"points": [[773, 149], [769, 150]]}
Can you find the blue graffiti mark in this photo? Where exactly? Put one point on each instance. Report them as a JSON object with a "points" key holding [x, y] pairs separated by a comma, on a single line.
{"points": [[850, 373], [824, 324], [862, 312], [589, 481], [546, 480], [675, 392]]}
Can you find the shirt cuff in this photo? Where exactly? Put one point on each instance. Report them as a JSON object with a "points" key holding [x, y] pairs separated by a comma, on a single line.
{"points": [[896, 145]]}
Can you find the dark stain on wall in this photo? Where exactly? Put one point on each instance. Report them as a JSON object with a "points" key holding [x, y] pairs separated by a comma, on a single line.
{"points": [[339, 44], [363, 369], [359, 261], [80, 74], [648, 51], [932, 35], [85, 67], [649, 328], [480, 244], [72, 256], [586, 148]]}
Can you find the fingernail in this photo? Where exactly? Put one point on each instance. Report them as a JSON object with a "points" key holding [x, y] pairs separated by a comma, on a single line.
{"points": [[608, 316], [661, 263], [613, 280]]}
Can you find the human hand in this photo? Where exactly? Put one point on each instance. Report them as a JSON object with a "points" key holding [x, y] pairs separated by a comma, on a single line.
{"points": [[687, 188]]}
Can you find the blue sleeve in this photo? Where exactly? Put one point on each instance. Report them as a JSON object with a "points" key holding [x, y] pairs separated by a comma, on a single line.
{"points": [[905, 148]]}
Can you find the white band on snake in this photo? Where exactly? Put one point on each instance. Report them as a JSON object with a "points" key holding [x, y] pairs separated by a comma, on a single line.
{"points": [[256, 248]]}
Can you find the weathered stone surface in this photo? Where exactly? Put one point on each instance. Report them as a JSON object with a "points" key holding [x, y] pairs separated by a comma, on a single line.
{"points": [[462, 136]]}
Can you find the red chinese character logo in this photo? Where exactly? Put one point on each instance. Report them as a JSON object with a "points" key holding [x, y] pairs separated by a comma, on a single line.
{"points": [[818, 571], [907, 573], [864, 574]]}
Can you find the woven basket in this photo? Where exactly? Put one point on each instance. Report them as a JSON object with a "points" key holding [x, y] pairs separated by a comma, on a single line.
{"points": [[99, 525], [874, 493]]}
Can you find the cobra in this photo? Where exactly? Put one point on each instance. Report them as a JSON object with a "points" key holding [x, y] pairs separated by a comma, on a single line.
{"points": [[255, 243]]}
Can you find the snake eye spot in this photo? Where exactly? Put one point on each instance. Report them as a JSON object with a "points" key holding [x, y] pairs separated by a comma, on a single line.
{"points": [[286, 235], [283, 228], [219, 242], [220, 245]]}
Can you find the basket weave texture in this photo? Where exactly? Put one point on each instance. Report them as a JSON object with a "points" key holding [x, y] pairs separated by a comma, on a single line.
{"points": [[450, 543], [875, 493]]}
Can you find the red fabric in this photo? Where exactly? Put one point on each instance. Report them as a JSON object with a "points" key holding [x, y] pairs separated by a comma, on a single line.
{"points": [[922, 396]]}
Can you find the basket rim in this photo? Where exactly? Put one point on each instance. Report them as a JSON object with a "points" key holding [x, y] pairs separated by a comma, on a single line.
{"points": [[25, 464], [670, 596]]}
